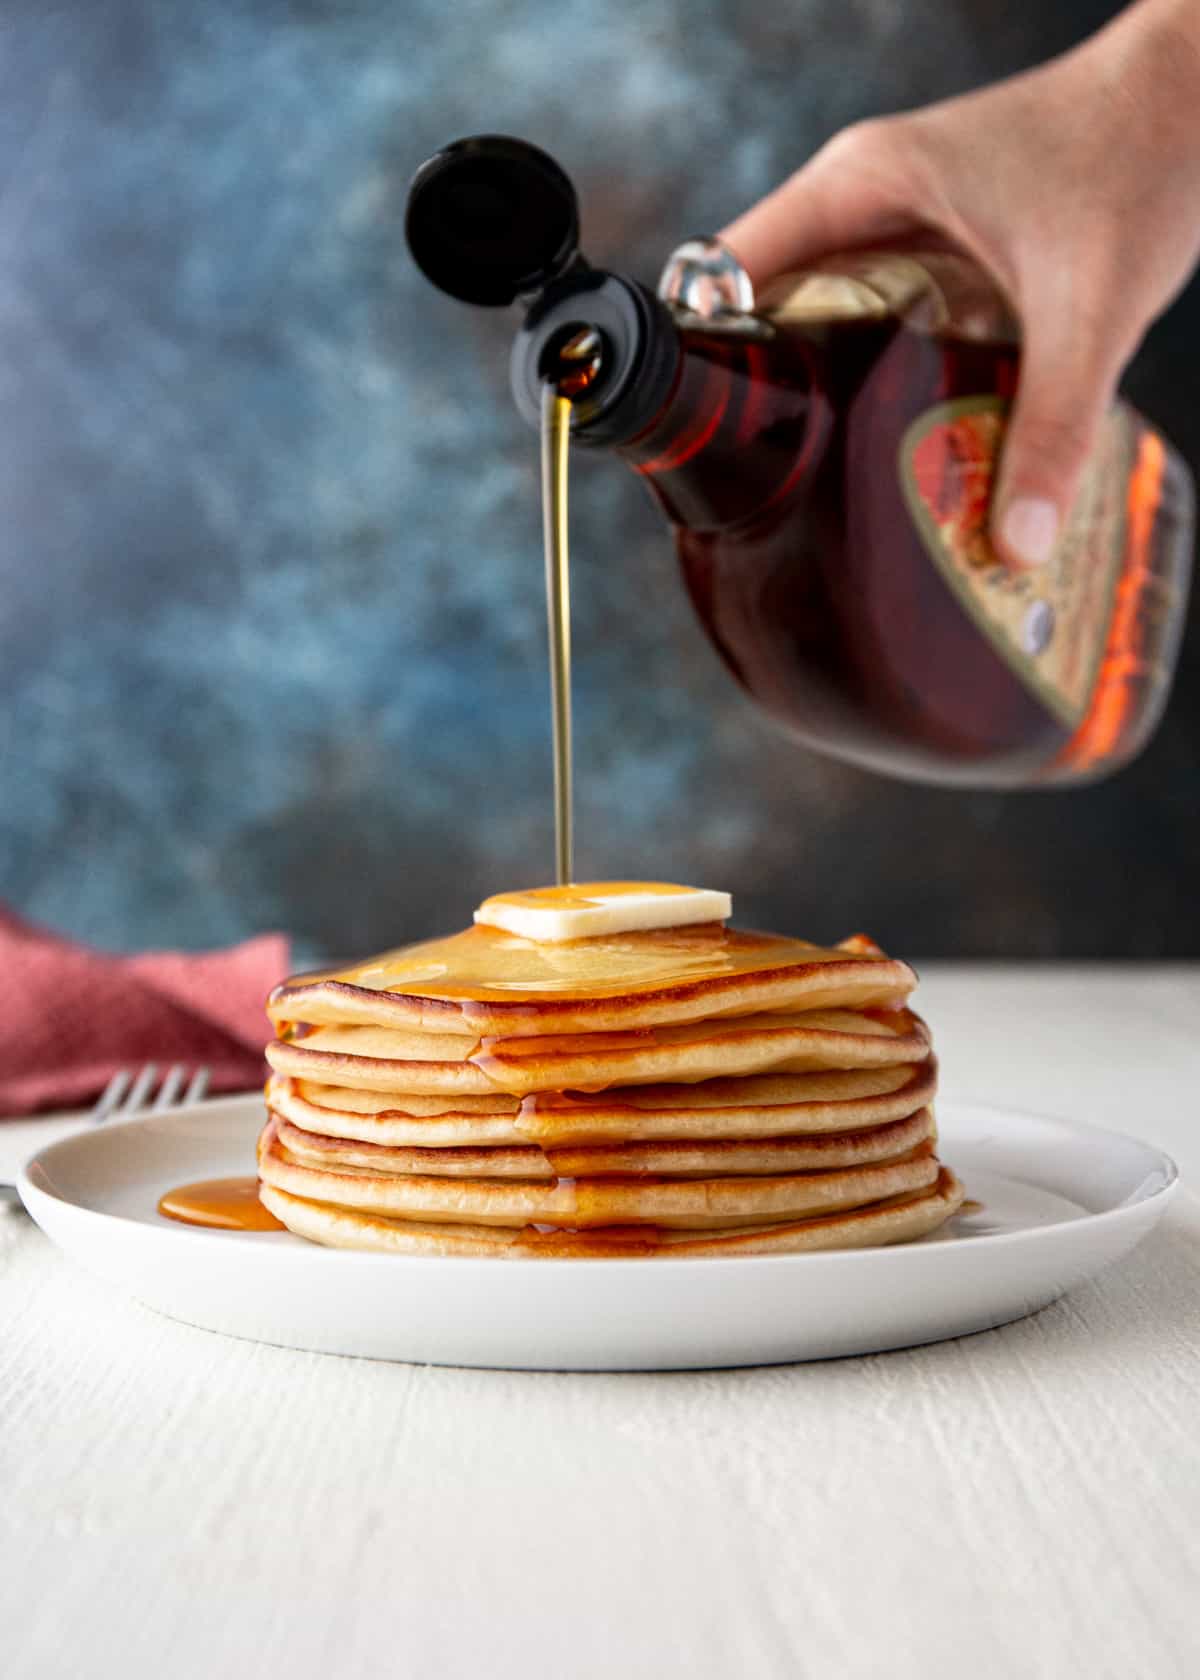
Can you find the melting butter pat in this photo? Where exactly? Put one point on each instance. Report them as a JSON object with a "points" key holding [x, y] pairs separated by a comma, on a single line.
{"points": [[589, 908]]}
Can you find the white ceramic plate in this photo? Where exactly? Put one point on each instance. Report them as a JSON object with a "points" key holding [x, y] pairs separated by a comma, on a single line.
{"points": [[1059, 1202], [20, 1140]]}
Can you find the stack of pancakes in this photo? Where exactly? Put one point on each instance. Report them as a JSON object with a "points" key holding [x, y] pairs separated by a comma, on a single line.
{"points": [[675, 1092]]}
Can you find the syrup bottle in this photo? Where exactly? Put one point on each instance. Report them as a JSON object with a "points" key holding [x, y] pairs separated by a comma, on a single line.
{"points": [[825, 456]]}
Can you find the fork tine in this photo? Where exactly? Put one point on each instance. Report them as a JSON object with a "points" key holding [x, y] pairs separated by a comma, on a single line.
{"points": [[111, 1095], [168, 1091], [198, 1087], [142, 1087]]}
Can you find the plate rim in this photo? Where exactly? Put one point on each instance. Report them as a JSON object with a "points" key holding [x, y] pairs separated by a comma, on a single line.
{"points": [[1160, 1193]]}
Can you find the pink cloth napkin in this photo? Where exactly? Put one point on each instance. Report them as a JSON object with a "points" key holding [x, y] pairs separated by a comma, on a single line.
{"points": [[71, 1016]]}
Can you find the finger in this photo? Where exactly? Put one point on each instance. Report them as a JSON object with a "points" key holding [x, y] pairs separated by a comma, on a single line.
{"points": [[857, 189], [1068, 375]]}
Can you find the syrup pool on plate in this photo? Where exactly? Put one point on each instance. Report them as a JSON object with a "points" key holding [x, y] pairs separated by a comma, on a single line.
{"points": [[223, 1204]]}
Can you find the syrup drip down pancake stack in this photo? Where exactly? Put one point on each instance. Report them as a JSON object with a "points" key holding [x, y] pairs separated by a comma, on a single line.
{"points": [[604, 1070]]}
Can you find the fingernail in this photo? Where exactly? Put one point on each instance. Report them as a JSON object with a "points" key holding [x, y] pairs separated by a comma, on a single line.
{"points": [[1030, 529]]}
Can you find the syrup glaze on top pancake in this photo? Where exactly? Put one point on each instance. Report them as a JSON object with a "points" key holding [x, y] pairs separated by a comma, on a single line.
{"points": [[485, 982]]}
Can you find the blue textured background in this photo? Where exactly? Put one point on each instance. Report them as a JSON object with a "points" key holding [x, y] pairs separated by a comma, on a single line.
{"points": [[271, 623]]}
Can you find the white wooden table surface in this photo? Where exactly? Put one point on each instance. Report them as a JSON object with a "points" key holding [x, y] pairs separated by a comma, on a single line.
{"points": [[1021, 1503]]}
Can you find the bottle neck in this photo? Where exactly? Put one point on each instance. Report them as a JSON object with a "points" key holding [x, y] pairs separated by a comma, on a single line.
{"points": [[720, 424], [740, 429]]}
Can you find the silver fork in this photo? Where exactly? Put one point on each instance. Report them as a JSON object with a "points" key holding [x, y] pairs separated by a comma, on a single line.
{"points": [[128, 1093], [131, 1092]]}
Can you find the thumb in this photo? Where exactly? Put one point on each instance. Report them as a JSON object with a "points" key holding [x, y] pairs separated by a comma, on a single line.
{"points": [[1067, 380]]}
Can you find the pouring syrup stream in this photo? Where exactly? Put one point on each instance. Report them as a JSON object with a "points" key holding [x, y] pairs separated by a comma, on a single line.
{"points": [[556, 434], [573, 367]]}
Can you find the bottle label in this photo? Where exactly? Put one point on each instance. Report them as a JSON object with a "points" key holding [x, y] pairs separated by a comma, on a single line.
{"points": [[1049, 625]]}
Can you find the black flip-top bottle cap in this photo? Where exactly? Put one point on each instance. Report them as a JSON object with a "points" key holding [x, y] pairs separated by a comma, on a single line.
{"points": [[491, 219]]}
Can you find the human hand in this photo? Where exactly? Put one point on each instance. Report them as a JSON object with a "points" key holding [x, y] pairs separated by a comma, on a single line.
{"points": [[1075, 186]]}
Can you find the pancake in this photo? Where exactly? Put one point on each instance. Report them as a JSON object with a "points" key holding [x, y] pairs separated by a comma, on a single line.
{"points": [[447, 1122], [676, 1160], [898, 1219], [376, 1073], [414, 1104], [692, 1204], [486, 983], [391, 1059], [711, 1049], [758, 1106]]}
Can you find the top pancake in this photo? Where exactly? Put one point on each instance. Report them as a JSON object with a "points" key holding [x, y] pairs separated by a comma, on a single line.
{"points": [[485, 982]]}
